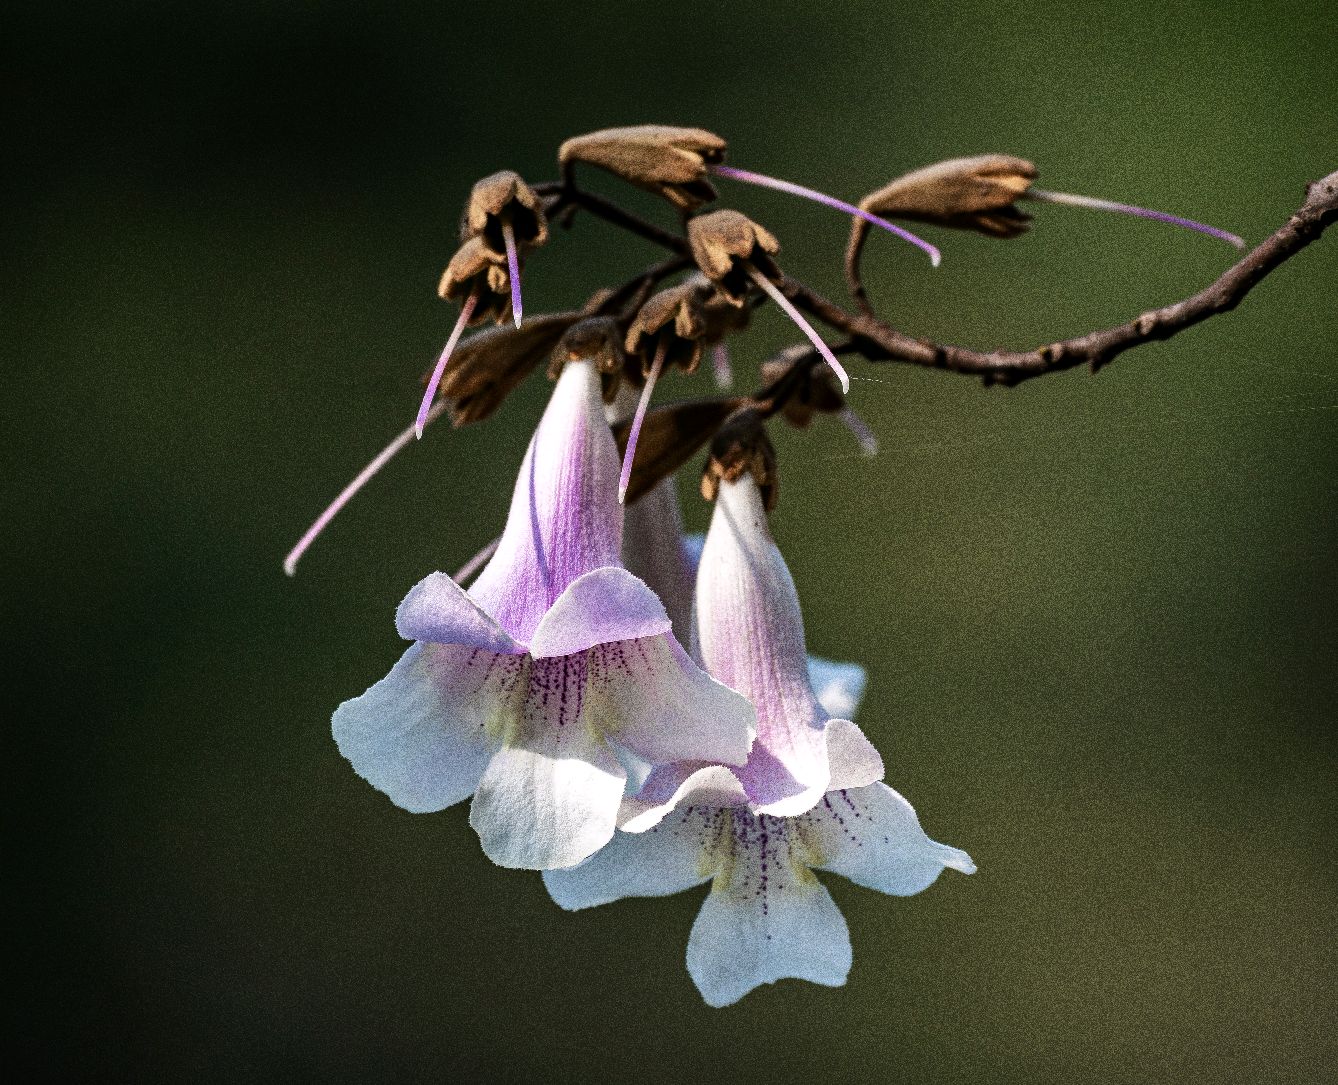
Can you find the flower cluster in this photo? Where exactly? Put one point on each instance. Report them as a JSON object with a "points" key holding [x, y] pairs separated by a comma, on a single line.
{"points": [[629, 710]]}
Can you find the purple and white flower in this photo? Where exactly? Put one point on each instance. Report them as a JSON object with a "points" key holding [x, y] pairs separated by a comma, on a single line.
{"points": [[525, 691], [809, 797]]}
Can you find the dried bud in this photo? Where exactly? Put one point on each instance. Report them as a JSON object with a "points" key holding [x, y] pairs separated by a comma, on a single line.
{"points": [[669, 437], [966, 193], [675, 319], [799, 389], [724, 243], [670, 162], [487, 367], [476, 269], [595, 338], [742, 447], [500, 199]]}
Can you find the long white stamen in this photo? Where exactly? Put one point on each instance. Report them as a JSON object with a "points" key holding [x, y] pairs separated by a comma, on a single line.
{"points": [[761, 179], [466, 311], [346, 494], [868, 443], [1040, 195], [474, 564], [632, 434], [724, 373], [513, 269], [774, 292]]}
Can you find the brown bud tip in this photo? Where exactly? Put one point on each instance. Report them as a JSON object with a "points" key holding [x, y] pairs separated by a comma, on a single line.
{"points": [[742, 447], [476, 269], [670, 162], [595, 339], [723, 242], [674, 318], [798, 389], [487, 367], [975, 193], [504, 197]]}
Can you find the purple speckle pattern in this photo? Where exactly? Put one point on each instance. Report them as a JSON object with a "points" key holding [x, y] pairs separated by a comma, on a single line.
{"points": [[556, 692]]}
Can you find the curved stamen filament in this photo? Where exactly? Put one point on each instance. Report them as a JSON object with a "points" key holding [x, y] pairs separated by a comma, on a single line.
{"points": [[724, 373], [512, 269], [1040, 195], [466, 311], [774, 292], [632, 434], [749, 177], [346, 494], [474, 564], [868, 443]]}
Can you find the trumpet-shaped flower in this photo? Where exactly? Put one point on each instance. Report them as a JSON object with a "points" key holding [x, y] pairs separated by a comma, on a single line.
{"points": [[523, 691], [767, 916]]}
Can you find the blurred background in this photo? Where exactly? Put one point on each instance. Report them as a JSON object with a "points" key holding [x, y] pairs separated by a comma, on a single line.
{"points": [[1098, 613]]}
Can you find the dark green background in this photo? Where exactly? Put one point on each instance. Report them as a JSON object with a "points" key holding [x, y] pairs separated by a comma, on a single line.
{"points": [[1098, 613]]}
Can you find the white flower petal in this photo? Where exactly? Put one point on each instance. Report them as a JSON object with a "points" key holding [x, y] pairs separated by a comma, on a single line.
{"points": [[654, 549], [839, 686], [648, 695], [872, 836], [741, 941], [550, 795], [667, 859], [608, 604], [437, 609], [682, 784], [425, 732], [854, 761]]}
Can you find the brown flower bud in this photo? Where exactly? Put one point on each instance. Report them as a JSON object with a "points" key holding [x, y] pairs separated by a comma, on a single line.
{"points": [[670, 162], [742, 447], [499, 198], [674, 318], [595, 338], [798, 389], [724, 243], [476, 269], [965, 193], [669, 437], [487, 367]]}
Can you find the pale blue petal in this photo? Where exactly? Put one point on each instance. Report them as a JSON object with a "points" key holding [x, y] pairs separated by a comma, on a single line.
{"points": [[839, 686], [854, 761]]}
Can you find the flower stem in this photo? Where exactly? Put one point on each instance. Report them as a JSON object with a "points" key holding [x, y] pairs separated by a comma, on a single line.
{"points": [[635, 431], [466, 311], [513, 269], [774, 292], [346, 494], [764, 181], [1040, 195]]}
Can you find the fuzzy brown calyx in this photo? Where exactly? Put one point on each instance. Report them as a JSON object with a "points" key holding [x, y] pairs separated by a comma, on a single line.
{"points": [[487, 367], [504, 197], [976, 193], [724, 244], [670, 162], [476, 269], [741, 446], [595, 339], [670, 436], [674, 318]]}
